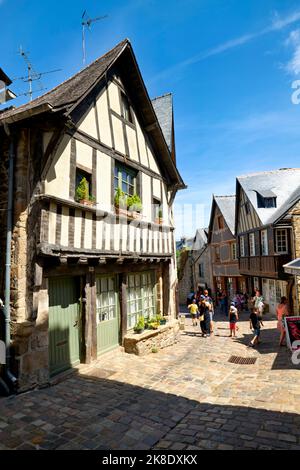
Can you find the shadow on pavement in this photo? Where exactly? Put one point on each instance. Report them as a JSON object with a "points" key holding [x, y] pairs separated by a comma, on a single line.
{"points": [[88, 412]]}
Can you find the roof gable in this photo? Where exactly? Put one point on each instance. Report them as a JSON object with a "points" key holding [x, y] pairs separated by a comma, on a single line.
{"points": [[226, 205], [283, 184], [69, 96]]}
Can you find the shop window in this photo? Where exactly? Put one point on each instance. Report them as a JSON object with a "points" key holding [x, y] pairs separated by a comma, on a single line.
{"points": [[141, 297]]}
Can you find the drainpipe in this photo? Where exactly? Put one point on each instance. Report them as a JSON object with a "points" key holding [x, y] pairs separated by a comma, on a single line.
{"points": [[12, 381]]}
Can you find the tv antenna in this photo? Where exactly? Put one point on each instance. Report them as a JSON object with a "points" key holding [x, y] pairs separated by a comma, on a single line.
{"points": [[32, 75], [86, 22]]}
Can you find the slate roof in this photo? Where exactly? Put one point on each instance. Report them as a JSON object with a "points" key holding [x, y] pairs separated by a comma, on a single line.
{"points": [[70, 91], [163, 107], [226, 205], [68, 95], [284, 183], [200, 239]]}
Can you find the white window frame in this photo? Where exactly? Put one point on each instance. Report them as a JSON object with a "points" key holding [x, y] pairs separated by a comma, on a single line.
{"points": [[264, 242], [278, 242], [252, 244], [242, 246]]}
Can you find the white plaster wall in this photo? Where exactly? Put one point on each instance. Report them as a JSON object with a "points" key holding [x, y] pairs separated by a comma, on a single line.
{"points": [[88, 230], [103, 118], [156, 188], [138, 240], [142, 144], [107, 235], [131, 237], [114, 100], [146, 196], [165, 205], [58, 177], [118, 134], [77, 229], [125, 232], [99, 234], [89, 123], [132, 143], [104, 181], [64, 240], [152, 163], [84, 155]]}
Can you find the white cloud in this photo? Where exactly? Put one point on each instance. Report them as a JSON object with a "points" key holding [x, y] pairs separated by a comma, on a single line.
{"points": [[293, 66], [276, 25]]}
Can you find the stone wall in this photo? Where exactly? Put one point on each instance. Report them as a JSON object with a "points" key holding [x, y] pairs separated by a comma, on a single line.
{"points": [[203, 257], [295, 212], [185, 276], [145, 343]]}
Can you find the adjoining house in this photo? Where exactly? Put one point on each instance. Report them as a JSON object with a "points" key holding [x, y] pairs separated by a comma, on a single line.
{"points": [[201, 261], [194, 266], [267, 227], [93, 244], [222, 241]]}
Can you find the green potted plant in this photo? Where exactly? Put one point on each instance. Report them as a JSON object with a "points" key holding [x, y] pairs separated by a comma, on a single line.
{"points": [[121, 202], [134, 205], [140, 325], [160, 319], [82, 193]]}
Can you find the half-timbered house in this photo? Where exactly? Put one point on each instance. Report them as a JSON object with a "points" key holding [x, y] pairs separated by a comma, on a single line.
{"points": [[222, 241], [85, 264], [267, 205]]}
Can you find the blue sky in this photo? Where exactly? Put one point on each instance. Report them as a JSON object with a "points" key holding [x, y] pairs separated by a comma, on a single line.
{"points": [[229, 64]]}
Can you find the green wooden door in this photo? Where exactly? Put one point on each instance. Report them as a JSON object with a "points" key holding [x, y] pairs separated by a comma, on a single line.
{"points": [[107, 303], [64, 324]]}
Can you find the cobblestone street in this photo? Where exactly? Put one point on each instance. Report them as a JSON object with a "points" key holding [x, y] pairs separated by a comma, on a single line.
{"points": [[187, 396]]}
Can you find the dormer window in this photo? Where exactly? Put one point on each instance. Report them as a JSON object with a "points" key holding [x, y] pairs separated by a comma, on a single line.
{"points": [[266, 199]]}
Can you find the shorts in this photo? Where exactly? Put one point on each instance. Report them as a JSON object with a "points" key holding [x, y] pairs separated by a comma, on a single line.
{"points": [[257, 331], [232, 326], [211, 316], [193, 315]]}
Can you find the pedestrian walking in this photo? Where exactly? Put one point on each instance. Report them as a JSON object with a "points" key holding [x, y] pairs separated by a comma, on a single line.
{"points": [[193, 308], [233, 319], [255, 325], [282, 311], [210, 308]]}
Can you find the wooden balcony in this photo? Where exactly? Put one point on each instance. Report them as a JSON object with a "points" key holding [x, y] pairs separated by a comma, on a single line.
{"points": [[73, 229], [267, 266]]}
